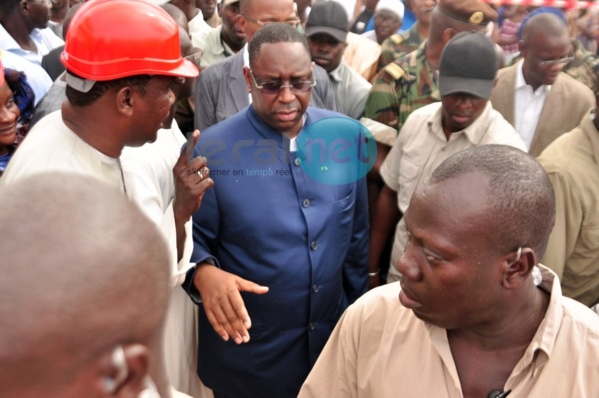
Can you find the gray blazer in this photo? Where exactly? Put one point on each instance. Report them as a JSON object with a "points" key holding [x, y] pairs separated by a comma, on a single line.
{"points": [[567, 103], [221, 91]]}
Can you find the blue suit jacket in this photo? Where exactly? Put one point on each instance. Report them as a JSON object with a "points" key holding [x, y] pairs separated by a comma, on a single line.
{"points": [[267, 221]]}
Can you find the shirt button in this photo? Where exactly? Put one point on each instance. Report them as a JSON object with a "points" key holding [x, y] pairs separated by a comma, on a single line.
{"points": [[306, 203], [297, 161], [314, 245], [315, 288]]}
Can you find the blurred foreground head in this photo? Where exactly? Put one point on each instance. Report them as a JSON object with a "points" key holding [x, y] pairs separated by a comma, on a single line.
{"points": [[84, 289]]}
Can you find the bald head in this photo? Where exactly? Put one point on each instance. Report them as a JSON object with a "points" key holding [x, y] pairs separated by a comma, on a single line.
{"points": [[545, 46], [82, 272], [521, 200], [544, 24], [251, 11]]}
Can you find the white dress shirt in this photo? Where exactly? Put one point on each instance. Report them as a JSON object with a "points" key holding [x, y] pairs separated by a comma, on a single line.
{"points": [[528, 105]]}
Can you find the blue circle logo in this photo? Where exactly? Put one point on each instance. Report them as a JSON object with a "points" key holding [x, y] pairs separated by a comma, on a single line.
{"points": [[336, 150]]}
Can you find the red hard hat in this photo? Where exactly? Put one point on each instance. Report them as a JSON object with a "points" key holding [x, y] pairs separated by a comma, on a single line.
{"points": [[111, 39]]}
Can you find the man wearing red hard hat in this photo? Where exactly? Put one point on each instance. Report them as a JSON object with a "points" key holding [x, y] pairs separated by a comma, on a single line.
{"points": [[122, 58]]}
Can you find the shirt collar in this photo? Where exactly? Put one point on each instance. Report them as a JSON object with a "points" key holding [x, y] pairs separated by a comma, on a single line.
{"points": [[336, 74], [246, 55], [540, 348], [589, 129], [6, 40], [521, 83], [544, 339], [474, 132]]}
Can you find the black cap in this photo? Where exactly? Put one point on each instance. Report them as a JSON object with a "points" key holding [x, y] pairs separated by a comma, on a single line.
{"points": [[468, 65], [328, 17]]}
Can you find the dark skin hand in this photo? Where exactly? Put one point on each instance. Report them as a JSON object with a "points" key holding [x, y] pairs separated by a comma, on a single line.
{"points": [[192, 179]]}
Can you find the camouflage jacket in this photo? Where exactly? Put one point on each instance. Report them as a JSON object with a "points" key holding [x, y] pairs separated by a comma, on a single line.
{"points": [[399, 44], [404, 85], [583, 66]]}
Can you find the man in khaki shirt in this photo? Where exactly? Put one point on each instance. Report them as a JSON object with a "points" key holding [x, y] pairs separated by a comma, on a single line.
{"points": [[572, 162], [477, 315], [464, 118]]}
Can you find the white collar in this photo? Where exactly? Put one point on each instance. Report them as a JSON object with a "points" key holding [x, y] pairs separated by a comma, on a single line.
{"points": [[521, 82]]}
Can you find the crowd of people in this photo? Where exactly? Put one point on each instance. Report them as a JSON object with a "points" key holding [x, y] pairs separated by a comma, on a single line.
{"points": [[203, 198]]}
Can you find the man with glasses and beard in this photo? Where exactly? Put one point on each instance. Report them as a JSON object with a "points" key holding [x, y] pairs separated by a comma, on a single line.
{"points": [[271, 242]]}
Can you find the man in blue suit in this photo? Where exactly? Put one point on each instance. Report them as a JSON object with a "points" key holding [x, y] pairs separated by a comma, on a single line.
{"points": [[272, 242]]}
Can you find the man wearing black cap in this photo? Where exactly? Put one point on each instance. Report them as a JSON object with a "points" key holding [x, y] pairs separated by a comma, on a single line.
{"points": [[410, 82], [462, 119], [326, 30]]}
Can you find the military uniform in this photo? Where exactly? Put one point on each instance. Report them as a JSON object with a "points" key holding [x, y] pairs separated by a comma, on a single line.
{"points": [[583, 66], [399, 44], [409, 82], [404, 85]]}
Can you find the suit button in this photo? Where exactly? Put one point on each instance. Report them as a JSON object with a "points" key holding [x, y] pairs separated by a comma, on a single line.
{"points": [[306, 203], [315, 288], [314, 245], [312, 325], [297, 161]]}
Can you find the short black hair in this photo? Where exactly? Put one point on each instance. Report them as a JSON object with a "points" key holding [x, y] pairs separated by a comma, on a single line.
{"points": [[276, 32], [81, 99], [521, 198]]}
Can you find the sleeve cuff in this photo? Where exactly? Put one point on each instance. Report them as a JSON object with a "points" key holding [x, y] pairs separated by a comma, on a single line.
{"points": [[188, 285]]}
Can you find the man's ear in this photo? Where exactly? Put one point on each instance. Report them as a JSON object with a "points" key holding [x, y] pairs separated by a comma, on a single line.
{"points": [[122, 372], [248, 78], [241, 21], [125, 100], [522, 47], [137, 357], [448, 34], [517, 267], [24, 7]]}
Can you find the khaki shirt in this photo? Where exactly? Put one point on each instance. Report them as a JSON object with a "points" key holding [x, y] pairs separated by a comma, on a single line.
{"points": [[379, 349], [572, 162], [422, 146]]}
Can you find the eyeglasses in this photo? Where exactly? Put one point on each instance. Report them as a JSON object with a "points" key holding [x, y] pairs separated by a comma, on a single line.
{"points": [[294, 22], [195, 58], [560, 61], [273, 87]]}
